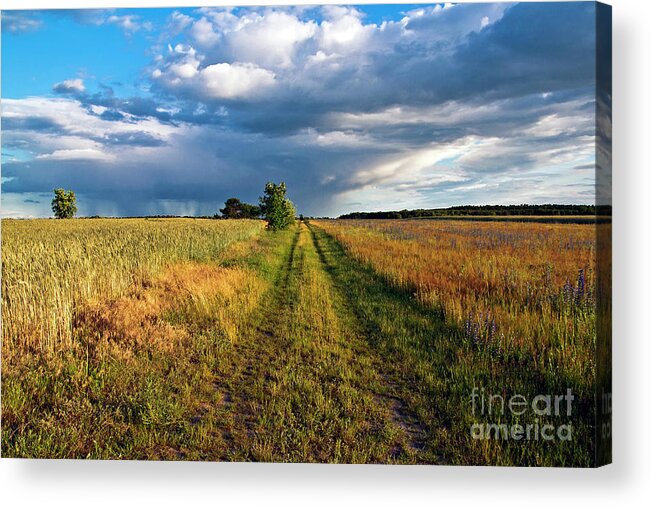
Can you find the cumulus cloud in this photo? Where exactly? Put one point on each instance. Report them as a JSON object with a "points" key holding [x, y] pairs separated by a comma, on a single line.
{"points": [[70, 86], [217, 81], [202, 32], [446, 104], [228, 81], [270, 40]]}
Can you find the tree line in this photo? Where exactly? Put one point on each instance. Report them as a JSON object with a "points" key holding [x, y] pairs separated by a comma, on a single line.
{"points": [[485, 210], [274, 207]]}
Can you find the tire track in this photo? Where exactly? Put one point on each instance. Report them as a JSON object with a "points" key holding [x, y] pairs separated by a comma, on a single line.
{"points": [[256, 347], [414, 430]]}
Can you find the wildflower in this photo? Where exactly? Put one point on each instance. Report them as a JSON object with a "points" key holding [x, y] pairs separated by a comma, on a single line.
{"points": [[580, 288]]}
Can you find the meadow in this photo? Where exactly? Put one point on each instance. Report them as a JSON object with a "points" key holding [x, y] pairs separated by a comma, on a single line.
{"points": [[335, 341], [519, 301], [516, 289]]}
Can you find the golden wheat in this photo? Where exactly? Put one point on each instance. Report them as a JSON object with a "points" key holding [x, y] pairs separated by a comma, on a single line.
{"points": [[51, 268]]}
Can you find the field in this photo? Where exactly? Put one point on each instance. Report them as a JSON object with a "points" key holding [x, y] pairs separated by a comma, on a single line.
{"points": [[363, 341]]}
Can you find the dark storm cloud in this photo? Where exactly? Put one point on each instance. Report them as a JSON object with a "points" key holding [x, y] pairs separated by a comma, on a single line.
{"points": [[134, 139], [223, 165], [532, 49], [450, 106]]}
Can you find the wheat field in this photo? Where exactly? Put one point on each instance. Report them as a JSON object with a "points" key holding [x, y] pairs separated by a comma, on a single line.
{"points": [[50, 267]]}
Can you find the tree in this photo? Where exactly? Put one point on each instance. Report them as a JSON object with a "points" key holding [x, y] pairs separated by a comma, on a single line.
{"points": [[234, 208], [250, 210], [64, 204], [277, 210]]}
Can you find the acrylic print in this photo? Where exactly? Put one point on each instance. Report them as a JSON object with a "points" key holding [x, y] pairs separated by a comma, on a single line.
{"points": [[337, 234]]}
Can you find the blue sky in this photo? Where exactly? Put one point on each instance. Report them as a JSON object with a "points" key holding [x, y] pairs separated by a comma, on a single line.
{"points": [[148, 111]]}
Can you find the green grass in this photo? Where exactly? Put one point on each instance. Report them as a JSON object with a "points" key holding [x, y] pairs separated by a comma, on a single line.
{"points": [[308, 388]]}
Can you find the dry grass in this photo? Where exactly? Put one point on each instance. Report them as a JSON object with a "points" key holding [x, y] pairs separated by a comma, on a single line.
{"points": [[145, 317], [51, 268], [138, 377], [514, 288], [508, 308], [188, 343]]}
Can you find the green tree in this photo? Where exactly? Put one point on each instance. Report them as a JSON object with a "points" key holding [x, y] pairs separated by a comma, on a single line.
{"points": [[250, 210], [234, 208], [64, 204], [277, 210]]}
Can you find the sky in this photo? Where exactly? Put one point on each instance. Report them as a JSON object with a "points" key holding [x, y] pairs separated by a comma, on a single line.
{"points": [[356, 108]]}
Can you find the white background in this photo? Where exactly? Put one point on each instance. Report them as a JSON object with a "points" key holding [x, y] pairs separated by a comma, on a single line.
{"points": [[627, 481]]}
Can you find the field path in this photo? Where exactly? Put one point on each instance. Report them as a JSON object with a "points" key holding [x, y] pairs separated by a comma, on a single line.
{"points": [[389, 389], [306, 384], [280, 348]]}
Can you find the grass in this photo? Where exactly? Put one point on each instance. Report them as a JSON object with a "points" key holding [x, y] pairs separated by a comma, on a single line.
{"points": [[521, 290], [248, 359], [132, 378], [516, 323], [303, 386], [224, 342], [51, 266]]}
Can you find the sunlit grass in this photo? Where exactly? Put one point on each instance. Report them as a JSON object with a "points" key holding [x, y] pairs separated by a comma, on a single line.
{"points": [[441, 358], [50, 268], [136, 378], [514, 288], [213, 340]]}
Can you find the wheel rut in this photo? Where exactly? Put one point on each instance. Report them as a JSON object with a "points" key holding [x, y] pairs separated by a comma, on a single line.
{"points": [[256, 346], [301, 352], [388, 395]]}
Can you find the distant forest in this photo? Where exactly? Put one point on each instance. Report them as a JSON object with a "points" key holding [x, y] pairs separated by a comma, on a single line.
{"points": [[487, 210]]}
